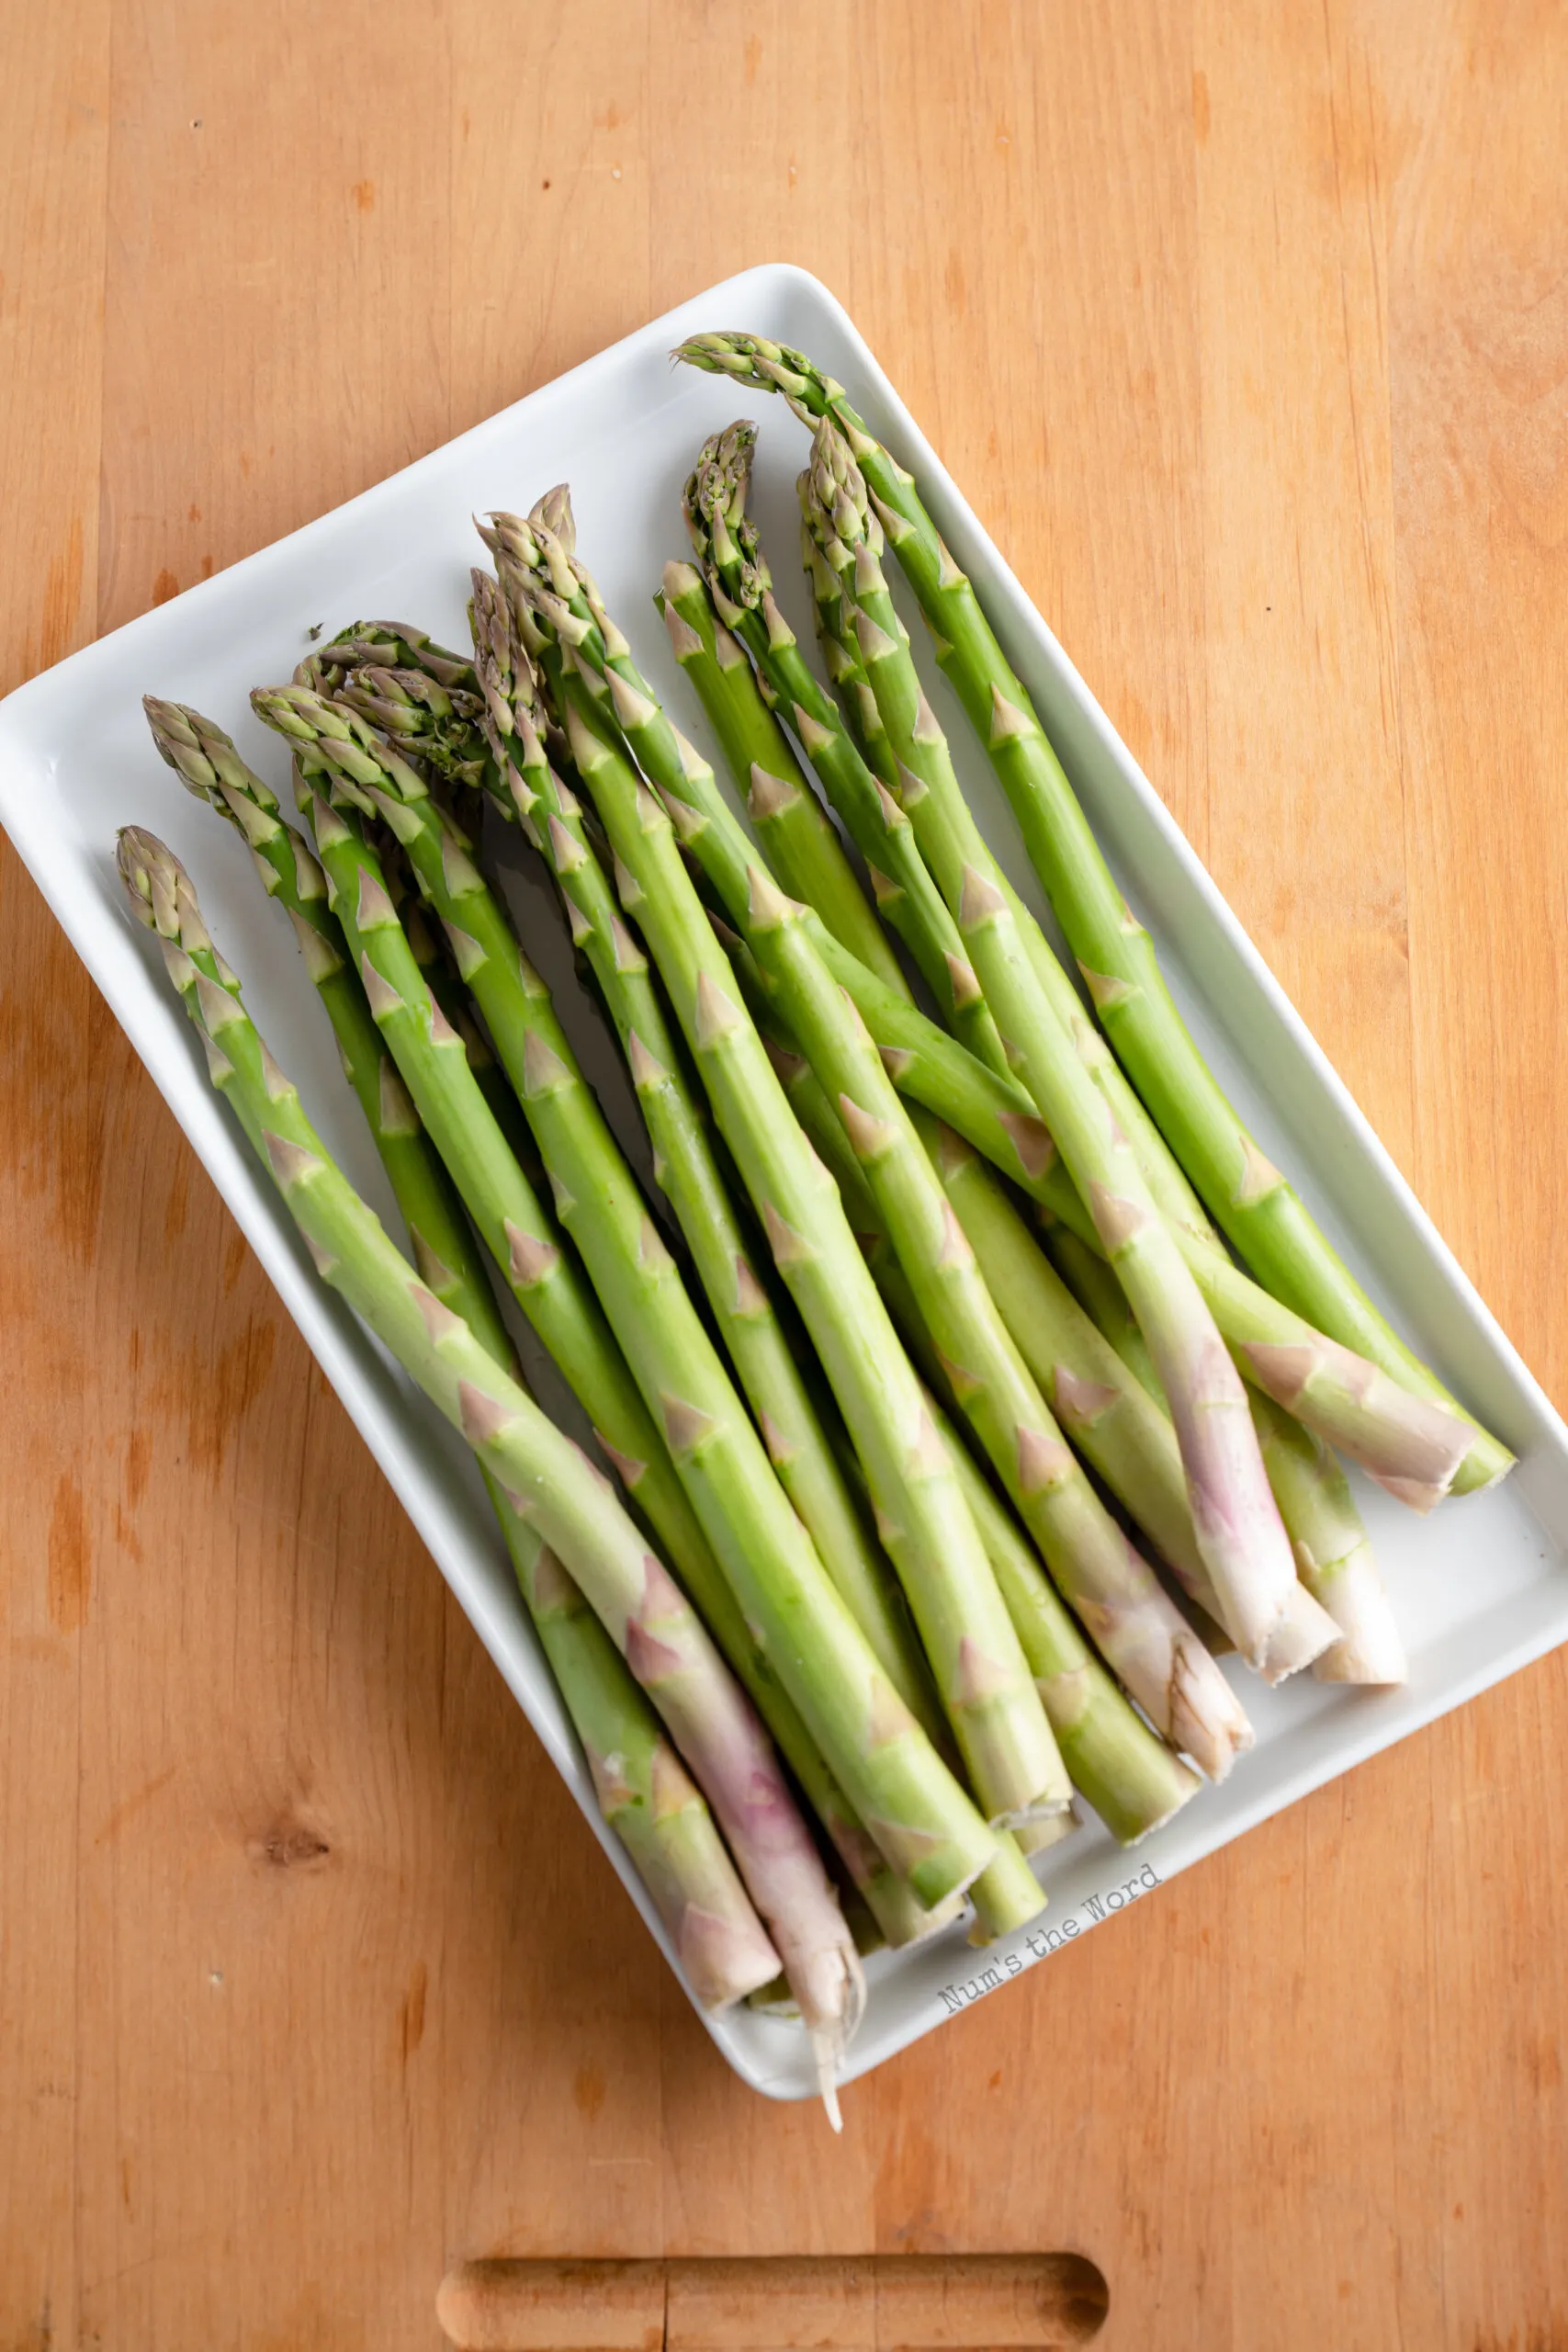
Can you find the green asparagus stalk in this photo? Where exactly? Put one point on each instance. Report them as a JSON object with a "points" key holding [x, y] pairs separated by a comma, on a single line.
{"points": [[394, 645], [575, 1528], [1409, 1444], [422, 718], [1132, 1779], [1251, 1199], [795, 833], [638, 719], [741, 588], [644, 1791], [897, 1918], [208, 761], [1412, 1444], [1138, 1629], [541, 548], [564, 1313], [1111, 1423], [831, 492], [808, 1638], [1239, 1531], [1334, 1554], [909, 1477], [1142, 1633], [684, 1161]]}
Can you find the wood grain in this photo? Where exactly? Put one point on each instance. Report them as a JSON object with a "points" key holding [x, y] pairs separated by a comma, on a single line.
{"points": [[1244, 325]]}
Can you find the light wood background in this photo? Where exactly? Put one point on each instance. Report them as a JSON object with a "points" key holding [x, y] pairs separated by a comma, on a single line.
{"points": [[1244, 325]]}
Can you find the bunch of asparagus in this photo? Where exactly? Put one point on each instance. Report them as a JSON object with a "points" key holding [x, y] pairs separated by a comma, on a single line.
{"points": [[976, 1381]]}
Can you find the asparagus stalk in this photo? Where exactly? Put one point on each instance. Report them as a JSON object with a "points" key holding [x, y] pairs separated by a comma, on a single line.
{"points": [[793, 829], [1109, 1419], [1239, 1533], [444, 1245], [1334, 1554], [542, 548], [808, 1639], [394, 645], [909, 1477], [742, 587], [897, 1917], [1132, 1779], [430, 721], [638, 719], [684, 1161], [1135, 1625], [573, 1525], [1142, 1633], [644, 1791], [565, 1314], [638, 1779], [1407, 1442], [831, 490], [1251, 1199], [1412, 1444]]}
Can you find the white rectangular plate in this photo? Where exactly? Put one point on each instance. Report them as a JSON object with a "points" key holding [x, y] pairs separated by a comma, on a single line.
{"points": [[1480, 1589]]}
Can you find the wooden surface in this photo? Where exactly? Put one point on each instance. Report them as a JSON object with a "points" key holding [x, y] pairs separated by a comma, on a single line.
{"points": [[1244, 325]]}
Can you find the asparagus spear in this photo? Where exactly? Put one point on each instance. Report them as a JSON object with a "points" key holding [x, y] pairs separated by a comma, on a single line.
{"points": [[910, 1479], [795, 833], [1411, 1444], [741, 588], [1239, 1533], [535, 579], [1112, 1421], [896, 1786], [1334, 1554], [644, 1793], [1333, 1551], [575, 1528], [1304, 1472], [567, 1318], [394, 645], [1132, 1779], [831, 490], [445, 1252], [592, 1184], [684, 1161], [434, 723], [897, 1915], [1251, 1200], [1140, 1632]]}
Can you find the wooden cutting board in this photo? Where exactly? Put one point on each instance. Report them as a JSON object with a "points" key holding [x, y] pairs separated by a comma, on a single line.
{"points": [[1244, 323]]}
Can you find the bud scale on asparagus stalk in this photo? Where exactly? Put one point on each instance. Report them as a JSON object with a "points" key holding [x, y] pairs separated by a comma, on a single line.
{"points": [[897, 1787], [549, 1485], [1250, 1200]]}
